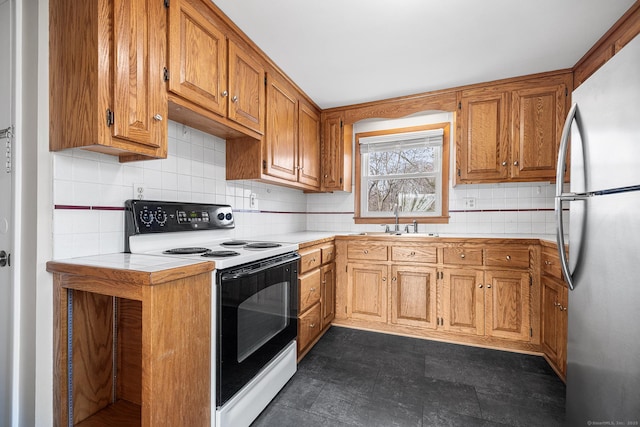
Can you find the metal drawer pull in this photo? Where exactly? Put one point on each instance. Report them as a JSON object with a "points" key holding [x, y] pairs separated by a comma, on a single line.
{"points": [[157, 118], [365, 252], [312, 325], [462, 256], [394, 279], [384, 279], [488, 286], [412, 253], [480, 286], [508, 257], [312, 289]]}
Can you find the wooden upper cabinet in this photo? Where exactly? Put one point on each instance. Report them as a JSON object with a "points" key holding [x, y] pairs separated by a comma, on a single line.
{"points": [[483, 147], [197, 57], [216, 84], [106, 72], [281, 141], [336, 154], [308, 145], [538, 115], [246, 89], [511, 131]]}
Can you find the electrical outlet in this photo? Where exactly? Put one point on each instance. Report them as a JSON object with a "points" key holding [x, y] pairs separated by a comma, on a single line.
{"points": [[253, 201], [469, 202], [138, 191]]}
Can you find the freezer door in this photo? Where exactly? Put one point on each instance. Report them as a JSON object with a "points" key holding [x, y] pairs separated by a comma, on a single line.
{"points": [[609, 113], [603, 354]]}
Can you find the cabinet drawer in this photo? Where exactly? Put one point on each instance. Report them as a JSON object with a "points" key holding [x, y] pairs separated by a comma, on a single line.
{"points": [[309, 288], [462, 256], [414, 254], [507, 257], [328, 253], [551, 263], [367, 252], [309, 259], [308, 327]]}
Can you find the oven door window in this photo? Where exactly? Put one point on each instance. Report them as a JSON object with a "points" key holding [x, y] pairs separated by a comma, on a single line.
{"points": [[261, 317], [257, 318]]}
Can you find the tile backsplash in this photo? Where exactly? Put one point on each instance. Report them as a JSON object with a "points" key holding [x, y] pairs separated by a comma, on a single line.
{"points": [[89, 190]]}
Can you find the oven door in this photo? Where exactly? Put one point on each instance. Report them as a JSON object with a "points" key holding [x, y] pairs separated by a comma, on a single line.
{"points": [[257, 318]]}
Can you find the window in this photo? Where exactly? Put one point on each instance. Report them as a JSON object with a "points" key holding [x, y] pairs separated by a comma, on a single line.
{"points": [[407, 168]]}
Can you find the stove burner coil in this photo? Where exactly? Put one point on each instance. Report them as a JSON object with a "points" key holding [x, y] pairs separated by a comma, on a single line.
{"points": [[262, 245], [220, 254], [185, 251], [234, 243]]}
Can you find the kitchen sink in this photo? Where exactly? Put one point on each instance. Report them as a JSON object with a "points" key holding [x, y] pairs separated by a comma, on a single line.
{"points": [[393, 233]]}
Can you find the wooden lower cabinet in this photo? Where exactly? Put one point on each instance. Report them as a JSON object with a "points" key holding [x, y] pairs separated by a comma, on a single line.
{"points": [[554, 323], [316, 294], [413, 296], [463, 301], [507, 306], [328, 293], [367, 292]]}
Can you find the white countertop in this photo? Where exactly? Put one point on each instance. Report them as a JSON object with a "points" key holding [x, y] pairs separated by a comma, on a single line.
{"points": [[300, 237], [134, 262]]}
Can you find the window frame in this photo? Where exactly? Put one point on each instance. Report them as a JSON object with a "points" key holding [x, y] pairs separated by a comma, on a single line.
{"points": [[443, 218]]}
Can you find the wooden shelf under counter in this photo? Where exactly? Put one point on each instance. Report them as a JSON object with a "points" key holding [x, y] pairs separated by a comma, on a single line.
{"points": [[132, 341]]}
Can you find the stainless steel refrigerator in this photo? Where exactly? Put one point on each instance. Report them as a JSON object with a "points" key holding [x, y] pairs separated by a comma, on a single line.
{"points": [[603, 266]]}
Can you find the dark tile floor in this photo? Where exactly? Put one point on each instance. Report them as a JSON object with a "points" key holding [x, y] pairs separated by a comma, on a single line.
{"points": [[358, 378]]}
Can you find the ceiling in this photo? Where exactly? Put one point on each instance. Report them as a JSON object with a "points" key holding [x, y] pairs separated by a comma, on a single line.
{"points": [[343, 52]]}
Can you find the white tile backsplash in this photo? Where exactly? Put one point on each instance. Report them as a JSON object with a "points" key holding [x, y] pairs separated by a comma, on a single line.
{"points": [[194, 171]]}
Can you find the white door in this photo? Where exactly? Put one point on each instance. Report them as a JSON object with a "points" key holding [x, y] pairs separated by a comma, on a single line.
{"points": [[6, 208]]}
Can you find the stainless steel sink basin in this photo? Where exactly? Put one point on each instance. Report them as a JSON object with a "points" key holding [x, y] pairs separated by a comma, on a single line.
{"points": [[393, 233]]}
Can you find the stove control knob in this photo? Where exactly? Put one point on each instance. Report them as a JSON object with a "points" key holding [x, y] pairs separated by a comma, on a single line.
{"points": [[220, 216], [146, 216], [228, 217], [161, 216]]}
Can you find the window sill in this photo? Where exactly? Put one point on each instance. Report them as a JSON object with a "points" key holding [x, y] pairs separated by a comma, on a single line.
{"points": [[401, 220]]}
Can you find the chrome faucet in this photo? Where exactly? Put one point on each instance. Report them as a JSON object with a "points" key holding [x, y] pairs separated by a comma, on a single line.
{"points": [[396, 208]]}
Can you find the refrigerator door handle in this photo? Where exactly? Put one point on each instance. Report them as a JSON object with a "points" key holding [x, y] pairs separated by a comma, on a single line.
{"points": [[560, 197]]}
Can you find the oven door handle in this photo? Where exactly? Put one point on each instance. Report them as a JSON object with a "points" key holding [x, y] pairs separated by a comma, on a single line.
{"points": [[246, 273]]}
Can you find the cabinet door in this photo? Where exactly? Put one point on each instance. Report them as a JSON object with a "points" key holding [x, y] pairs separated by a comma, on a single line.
{"points": [[413, 296], [308, 327], [538, 117], [332, 154], [483, 144], [246, 89], [554, 323], [328, 297], [463, 301], [281, 141], [308, 146], [367, 292], [197, 57], [139, 96], [507, 306]]}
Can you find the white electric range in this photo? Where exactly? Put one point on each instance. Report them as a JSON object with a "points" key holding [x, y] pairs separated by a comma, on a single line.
{"points": [[254, 300]]}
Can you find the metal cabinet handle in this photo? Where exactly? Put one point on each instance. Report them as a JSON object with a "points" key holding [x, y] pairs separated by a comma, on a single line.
{"points": [[393, 279], [384, 279], [480, 286], [508, 257], [312, 325], [412, 253], [547, 262], [312, 289], [365, 251], [462, 256], [234, 99], [515, 163], [313, 260], [157, 118], [504, 163], [225, 94], [488, 286]]}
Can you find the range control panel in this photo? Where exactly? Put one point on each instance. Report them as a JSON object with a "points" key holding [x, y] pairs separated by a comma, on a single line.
{"points": [[150, 216]]}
